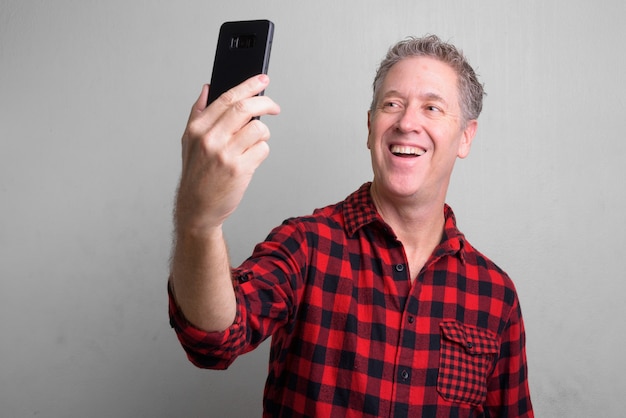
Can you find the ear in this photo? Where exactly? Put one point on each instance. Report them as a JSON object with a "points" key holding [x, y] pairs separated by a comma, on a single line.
{"points": [[467, 137], [369, 127]]}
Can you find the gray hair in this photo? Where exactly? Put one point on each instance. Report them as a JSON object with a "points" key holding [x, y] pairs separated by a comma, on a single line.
{"points": [[471, 91]]}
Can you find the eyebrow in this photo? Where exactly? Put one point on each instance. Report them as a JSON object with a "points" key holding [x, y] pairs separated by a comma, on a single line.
{"points": [[428, 96], [434, 97]]}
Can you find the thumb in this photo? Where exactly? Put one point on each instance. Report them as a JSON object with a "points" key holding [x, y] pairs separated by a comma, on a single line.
{"points": [[201, 102]]}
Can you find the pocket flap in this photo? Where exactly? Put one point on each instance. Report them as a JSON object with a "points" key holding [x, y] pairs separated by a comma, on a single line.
{"points": [[473, 340]]}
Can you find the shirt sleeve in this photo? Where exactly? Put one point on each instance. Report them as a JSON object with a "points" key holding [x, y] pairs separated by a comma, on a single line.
{"points": [[208, 350], [508, 392], [266, 290]]}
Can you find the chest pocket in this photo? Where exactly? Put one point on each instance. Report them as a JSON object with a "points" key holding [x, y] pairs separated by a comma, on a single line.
{"points": [[466, 359]]}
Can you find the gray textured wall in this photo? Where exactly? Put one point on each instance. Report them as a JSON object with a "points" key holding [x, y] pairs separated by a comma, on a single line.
{"points": [[93, 100]]}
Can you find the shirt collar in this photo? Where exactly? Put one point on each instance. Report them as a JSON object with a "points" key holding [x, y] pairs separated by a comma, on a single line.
{"points": [[452, 240], [359, 210]]}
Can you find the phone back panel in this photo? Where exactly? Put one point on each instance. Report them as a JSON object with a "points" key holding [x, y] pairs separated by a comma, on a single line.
{"points": [[243, 50]]}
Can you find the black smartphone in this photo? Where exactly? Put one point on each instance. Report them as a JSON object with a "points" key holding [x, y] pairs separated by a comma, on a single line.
{"points": [[243, 50]]}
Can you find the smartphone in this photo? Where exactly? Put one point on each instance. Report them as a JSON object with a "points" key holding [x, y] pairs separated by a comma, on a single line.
{"points": [[243, 50]]}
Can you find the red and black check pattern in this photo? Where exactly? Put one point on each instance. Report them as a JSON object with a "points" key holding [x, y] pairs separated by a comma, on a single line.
{"points": [[353, 337]]}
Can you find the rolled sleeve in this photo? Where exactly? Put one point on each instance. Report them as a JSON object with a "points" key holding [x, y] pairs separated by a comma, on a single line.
{"points": [[209, 350]]}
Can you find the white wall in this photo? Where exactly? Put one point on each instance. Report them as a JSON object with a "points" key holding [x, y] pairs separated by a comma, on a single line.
{"points": [[93, 99]]}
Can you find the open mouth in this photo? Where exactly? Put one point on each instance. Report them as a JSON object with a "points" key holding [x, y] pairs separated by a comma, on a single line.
{"points": [[406, 151]]}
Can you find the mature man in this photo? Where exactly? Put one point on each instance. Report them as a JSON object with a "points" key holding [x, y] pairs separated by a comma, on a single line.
{"points": [[377, 305]]}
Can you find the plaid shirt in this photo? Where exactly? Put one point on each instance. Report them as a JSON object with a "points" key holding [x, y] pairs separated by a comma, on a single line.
{"points": [[353, 337]]}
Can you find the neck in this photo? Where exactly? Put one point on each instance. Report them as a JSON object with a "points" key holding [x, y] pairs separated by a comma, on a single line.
{"points": [[413, 213], [417, 224]]}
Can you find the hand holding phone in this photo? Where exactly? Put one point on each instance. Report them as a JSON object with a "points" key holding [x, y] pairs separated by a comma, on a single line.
{"points": [[222, 146]]}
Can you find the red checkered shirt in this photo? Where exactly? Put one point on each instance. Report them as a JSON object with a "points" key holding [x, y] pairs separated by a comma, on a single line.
{"points": [[353, 337]]}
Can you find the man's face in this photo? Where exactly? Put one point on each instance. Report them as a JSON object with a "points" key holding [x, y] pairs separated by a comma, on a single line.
{"points": [[416, 131]]}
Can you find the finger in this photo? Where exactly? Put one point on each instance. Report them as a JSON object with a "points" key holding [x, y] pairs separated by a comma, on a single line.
{"points": [[194, 123], [242, 112], [255, 155], [251, 87], [254, 132], [200, 103], [251, 147], [236, 107]]}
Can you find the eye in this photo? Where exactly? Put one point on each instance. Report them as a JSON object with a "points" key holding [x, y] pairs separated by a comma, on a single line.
{"points": [[432, 108], [390, 106]]}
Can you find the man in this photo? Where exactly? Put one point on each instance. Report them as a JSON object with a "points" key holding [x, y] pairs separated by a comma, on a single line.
{"points": [[377, 306]]}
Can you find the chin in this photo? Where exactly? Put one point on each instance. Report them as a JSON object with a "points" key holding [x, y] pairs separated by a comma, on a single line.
{"points": [[400, 188]]}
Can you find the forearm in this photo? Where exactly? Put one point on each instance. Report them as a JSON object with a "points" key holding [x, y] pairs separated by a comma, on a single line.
{"points": [[221, 148], [201, 279]]}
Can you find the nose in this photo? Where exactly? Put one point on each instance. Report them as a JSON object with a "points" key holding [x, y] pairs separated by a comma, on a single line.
{"points": [[409, 120]]}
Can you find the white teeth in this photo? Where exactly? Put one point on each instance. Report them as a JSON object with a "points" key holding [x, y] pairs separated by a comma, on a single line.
{"points": [[407, 150]]}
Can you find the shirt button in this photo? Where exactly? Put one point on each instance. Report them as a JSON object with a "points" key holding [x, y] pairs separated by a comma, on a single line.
{"points": [[399, 267], [411, 319], [404, 374]]}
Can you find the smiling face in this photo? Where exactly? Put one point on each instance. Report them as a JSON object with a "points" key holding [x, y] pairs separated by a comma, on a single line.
{"points": [[416, 131]]}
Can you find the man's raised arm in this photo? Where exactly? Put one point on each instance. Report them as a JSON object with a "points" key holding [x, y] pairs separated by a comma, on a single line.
{"points": [[221, 148]]}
